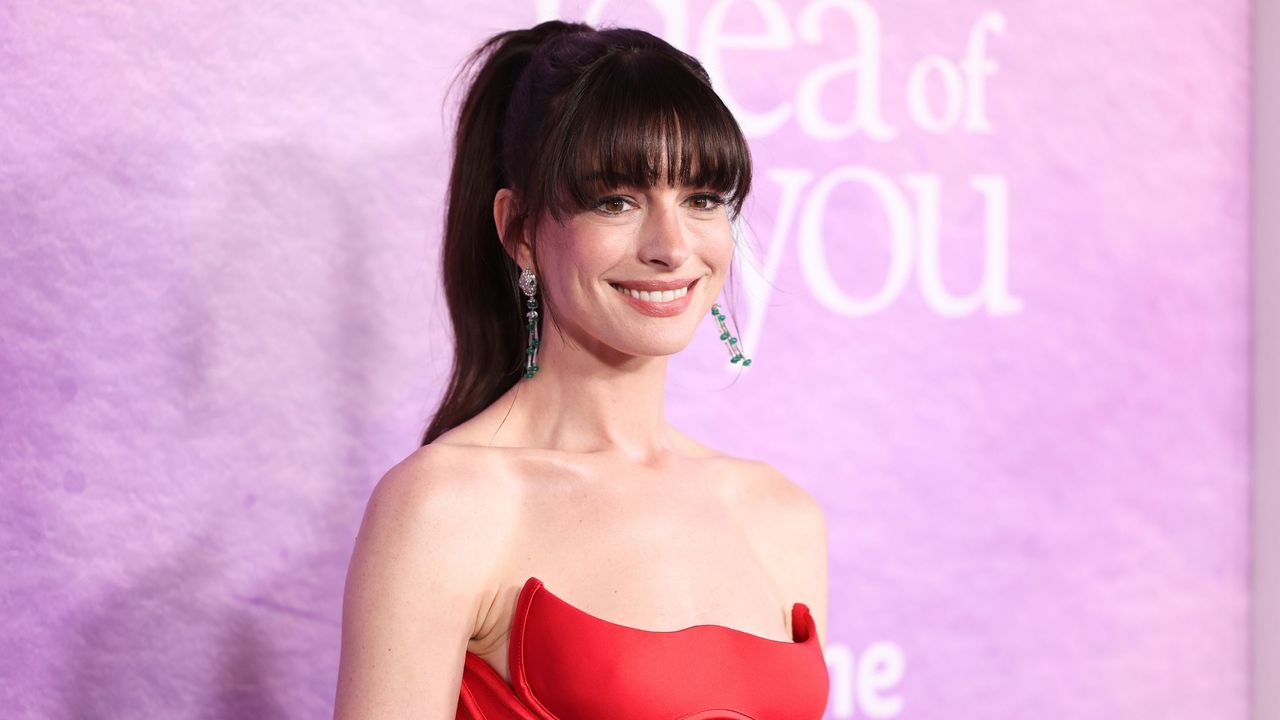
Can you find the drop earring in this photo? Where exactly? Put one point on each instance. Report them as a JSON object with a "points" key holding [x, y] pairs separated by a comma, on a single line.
{"points": [[529, 284], [731, 342]]}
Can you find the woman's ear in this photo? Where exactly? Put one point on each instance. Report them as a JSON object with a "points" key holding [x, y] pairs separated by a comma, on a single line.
{"points": [[504, 210]]}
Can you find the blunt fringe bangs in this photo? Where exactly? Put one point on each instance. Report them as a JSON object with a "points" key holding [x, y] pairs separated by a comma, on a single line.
{"points": [[636, 117]]}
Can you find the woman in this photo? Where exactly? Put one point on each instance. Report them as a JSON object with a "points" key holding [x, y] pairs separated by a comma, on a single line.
{"points": [[680, 582]]}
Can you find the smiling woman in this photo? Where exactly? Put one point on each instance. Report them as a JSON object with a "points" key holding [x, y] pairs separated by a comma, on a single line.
{"points": [[596, 170], [566, 132]]}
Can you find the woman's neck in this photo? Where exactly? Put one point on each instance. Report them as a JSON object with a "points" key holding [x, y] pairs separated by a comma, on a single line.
{"points": [[581, 402]]}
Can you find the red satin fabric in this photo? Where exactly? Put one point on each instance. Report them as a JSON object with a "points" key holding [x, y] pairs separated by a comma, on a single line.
{"points": [[569, 665]]}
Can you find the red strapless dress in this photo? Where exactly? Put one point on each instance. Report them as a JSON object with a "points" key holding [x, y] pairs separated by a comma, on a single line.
{"points": [[567, 664]]}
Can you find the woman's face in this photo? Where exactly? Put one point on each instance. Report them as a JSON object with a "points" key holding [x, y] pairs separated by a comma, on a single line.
{"points": [[635, 235]]}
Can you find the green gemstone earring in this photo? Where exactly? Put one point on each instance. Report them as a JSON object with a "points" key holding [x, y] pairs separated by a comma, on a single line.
{"points": [[529, 284], [731, 342]]}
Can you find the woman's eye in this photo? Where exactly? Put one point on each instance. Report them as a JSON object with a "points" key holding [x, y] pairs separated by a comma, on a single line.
{"points": [[612, 205], [706, 202]]}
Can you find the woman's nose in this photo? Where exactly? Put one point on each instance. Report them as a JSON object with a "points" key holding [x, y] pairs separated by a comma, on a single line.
{"points": [[666, 240]]}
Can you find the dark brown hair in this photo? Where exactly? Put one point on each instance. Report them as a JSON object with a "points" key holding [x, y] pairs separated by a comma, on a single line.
{"points": [[561, 113]]}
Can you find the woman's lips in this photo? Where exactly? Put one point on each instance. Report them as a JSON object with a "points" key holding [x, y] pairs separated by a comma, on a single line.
{"points": [[657, 308]]}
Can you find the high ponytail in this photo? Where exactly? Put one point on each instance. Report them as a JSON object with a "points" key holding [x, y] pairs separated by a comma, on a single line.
{"points": [[558, 113], [479, 276]]}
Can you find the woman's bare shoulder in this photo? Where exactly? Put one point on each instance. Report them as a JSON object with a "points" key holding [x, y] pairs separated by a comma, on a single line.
{"points": [[445, 477], [446, 511], [786, 493], [419, 579], [761, 484], [791, 534]]}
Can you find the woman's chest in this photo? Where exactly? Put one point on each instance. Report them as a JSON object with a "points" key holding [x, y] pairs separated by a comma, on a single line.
{"points": [[661, 557]]}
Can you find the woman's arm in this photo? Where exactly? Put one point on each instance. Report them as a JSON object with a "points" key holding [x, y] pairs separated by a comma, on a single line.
{"points": [[413, 589], [813, 557], [800, 545]]}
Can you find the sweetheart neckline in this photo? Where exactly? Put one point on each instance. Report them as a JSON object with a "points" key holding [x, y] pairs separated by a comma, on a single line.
{"points": [[524, 688], [532, 584], [801, 620]]}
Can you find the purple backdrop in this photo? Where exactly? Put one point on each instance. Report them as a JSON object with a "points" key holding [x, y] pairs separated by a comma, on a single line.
{"points": [[998, 306]]}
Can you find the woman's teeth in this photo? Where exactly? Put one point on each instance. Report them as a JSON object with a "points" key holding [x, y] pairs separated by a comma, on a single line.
{"points": [[664, 296]]}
